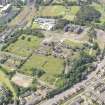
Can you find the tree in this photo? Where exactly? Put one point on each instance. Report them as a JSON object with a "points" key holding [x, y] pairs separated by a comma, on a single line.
{"points": [[87, 14], [92, 34], [103, 26], [38, 3], [60, 23], [103, 52], [79, 68], [29, 39], [23, 37], [37, 72]]}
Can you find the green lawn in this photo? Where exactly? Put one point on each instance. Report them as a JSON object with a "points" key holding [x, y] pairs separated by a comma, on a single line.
{"points": [[73, 43], [55, 10], [74, 10], [52, 66], [58, 10], [5, 80], [71, 13], [35, 25], [24, 47]]}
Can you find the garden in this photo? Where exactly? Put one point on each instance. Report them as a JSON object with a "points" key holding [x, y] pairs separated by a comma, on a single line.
{"points": [[24, 45]]}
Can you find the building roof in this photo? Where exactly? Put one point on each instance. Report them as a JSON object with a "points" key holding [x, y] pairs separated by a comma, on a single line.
{"points": [[5, 7]]}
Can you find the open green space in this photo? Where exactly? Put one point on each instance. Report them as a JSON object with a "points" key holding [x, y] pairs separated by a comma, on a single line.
{"points": [[71, 13], [24, 47], [52, 67], [5, 80], [74, 10], [101, 9], [73, 43], [56, 10], [35, 25], [59, 10]]}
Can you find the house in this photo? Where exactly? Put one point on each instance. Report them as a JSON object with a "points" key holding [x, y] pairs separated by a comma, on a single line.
{"points": [[78, 101], [30, 99]]}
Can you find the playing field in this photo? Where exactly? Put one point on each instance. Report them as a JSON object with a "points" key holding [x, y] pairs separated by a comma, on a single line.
{"points": [[59, 10], [55, 10], [24, 47], [52, 66]]}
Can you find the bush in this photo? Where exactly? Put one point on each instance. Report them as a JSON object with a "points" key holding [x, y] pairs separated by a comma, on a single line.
{"points": [[33, 32], [61, 23], [23, 37], [37, 72], [29, 39]]}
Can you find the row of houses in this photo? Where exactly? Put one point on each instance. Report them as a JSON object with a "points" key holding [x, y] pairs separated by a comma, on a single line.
{"points": [[96, 85]]}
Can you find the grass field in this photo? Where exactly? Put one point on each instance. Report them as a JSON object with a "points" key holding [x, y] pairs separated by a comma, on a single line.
{"points": [[24, 47], [52, 66], [74, 10], [35, 25], [55, 10], [59, 10], [71, 13], [73, 43], [5, 80]]}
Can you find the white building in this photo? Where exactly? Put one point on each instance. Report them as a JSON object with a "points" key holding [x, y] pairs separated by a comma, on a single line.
{"points": [[46, 23]]}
